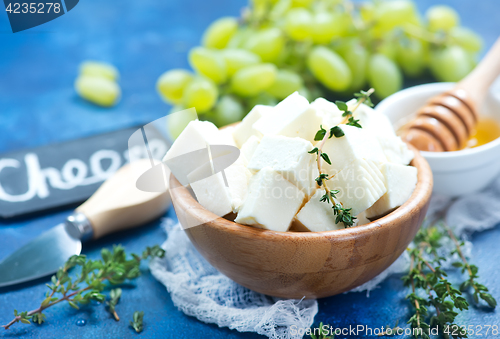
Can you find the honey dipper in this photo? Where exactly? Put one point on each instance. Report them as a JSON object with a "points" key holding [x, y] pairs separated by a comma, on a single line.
{"points": [[448, 120]]}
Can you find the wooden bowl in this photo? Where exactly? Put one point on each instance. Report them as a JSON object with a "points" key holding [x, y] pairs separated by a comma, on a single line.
{"points": [[303, 264]]}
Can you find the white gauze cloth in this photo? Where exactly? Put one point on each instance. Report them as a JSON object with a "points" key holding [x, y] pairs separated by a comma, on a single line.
{"points": [[199, 290]]}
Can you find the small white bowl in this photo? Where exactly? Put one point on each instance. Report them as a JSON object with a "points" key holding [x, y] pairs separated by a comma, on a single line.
{"points": [[455, 173]]}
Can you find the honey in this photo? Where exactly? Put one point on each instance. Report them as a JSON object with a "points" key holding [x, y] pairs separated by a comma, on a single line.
{"points": [[487, 130]]}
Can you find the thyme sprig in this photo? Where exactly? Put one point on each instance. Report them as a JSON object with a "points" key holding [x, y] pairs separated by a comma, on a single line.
{"points": [[428, 276], [342, 214], [114, 295], [137, 322], [89, 283], [323, 333]]}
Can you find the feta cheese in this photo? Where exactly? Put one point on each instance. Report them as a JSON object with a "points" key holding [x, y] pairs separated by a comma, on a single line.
{"points": [[226, 136], [244, 130], [292, 117], [249, 147], [372, 120], [195, 137], [317, 216], [331, 115], [395, 149], [224, 191], [288, 157], [355, 144], [271, 201], [359, 184], [213, 194], [400, 182], [361, 219]]}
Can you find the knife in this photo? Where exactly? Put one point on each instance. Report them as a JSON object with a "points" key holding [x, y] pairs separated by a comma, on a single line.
{"points": [[117, 205]]}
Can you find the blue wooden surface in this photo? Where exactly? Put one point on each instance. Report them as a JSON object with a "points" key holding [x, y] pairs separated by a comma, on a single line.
{"points": [[143, 39]]}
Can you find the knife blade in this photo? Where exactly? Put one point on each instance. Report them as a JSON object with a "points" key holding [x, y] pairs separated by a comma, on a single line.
{"points": [[117, 205], [27, 263]]}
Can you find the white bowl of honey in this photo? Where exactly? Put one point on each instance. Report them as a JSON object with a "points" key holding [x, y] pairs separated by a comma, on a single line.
{"points": [[459, 172]]}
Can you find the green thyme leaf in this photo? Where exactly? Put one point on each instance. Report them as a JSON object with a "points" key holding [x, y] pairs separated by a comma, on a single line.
{"points": [[137, 322], [326, 158], [353, 122], [337, 132], [320, 134], [314, 150]]}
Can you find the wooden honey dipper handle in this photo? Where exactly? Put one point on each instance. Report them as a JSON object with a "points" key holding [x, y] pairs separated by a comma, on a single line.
{"points": [[477, 83], [448, 120]]}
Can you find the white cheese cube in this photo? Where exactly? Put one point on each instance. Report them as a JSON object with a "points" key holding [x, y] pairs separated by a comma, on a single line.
{"points": [[289, 157], [216, 194], [359, 188], [238, 177], [244, 130], [400, 182], [226, 136], [355, 144], [317, 216], [271, 201], [249, 147], [372, 120], [213, 194], [395, 149], [195, 137], [292, 117], [331, 115], [361, 219]]}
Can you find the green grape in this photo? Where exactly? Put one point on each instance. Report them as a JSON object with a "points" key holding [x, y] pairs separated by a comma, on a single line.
{"points": [[201, 94], [466, 38], [208, 63], [238, 58], [98, 90], [286, 83], [178, 119], [450, 64], [228, 110], [327, 26], [267, 43], [387, 47], [411, 57], [239, 38], [367, 11], [261, 99], [390, 14], [384, 75], [301, 3], [220, 32], [356, 58], [342, 46], [298, 23], [442, 17], [329, 68], [99, 69], [252, 80], [171, 84], [279, 9]]}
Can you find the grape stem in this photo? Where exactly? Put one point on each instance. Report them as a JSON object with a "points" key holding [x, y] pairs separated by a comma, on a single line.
{"points": [[422, 34]]}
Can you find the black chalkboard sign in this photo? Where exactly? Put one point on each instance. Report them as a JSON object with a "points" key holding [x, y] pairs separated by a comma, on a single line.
{"points": [[56, 175]]}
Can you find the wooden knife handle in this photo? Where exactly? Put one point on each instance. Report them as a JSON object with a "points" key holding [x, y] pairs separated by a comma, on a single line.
{"points": [[118, 204]]}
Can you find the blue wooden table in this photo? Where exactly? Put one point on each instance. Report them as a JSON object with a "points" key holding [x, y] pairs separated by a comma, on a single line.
{"points": [[144, 38]]}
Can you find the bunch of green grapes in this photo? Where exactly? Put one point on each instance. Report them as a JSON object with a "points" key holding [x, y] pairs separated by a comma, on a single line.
{"points": [[316, 47]]}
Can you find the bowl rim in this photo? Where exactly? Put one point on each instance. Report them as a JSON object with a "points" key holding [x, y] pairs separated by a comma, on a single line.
{"points": [[401, 95], [421, 195]]}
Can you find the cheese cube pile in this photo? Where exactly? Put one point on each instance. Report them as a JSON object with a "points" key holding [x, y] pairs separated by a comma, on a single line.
{"points": [[272, 184]]}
